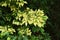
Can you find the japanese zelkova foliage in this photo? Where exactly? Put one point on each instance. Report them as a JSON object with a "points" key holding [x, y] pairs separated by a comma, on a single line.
{"points": [[19, 22]]}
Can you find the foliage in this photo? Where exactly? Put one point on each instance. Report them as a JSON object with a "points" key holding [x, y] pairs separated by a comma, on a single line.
{"points": [[21, 23]]}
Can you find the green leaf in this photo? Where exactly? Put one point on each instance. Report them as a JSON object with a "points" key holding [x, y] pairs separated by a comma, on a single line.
{"points": [[25, 38], [8, 38]]}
